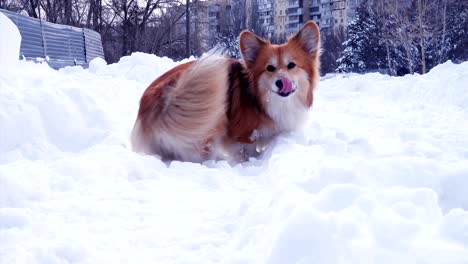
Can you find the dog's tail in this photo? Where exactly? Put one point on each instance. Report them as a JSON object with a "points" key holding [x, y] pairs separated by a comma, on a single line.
{"points": [[190, 112]]}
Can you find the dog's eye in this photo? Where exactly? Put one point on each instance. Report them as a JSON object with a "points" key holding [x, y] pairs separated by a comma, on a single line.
{"points": [[291, 65], [271, 68]]}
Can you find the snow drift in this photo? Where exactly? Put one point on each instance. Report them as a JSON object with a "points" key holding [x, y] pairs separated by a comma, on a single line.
{"points": [[378, 175], [11, 41]]}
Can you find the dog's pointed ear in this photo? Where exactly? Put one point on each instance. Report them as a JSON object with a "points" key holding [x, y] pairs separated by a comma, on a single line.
{"points": [[250, 46], [308, 38]]}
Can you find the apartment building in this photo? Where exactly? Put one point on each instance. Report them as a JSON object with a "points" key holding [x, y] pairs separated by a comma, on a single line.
{"points": [[290, 15], [352, 8], [326, 16], [340, 14], [297, 12], [333, 14], [219, 16], [266, 17], [281, 18], [198, 26], [314, 10], [237, 14]]}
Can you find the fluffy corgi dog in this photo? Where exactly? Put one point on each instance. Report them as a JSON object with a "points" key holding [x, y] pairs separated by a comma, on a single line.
{"points": [[220, 108]]}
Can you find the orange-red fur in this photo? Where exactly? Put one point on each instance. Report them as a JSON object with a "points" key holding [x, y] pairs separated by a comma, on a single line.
{"points": [[218, 108]]}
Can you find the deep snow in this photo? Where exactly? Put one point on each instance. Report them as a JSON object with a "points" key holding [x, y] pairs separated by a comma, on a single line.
{"points": [[378, 175], [10, 41]]}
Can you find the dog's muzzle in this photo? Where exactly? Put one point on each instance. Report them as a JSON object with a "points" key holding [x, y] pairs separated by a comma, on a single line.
{"points": [[285, 87]]}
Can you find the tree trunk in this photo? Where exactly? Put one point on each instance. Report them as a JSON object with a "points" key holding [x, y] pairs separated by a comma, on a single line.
{"points": [[125, 30], [187, 28], [99, 14], [421, 36], [67, 6], [32, 11], [90, 13], [410, 59], [389, 62], [444, 31]]}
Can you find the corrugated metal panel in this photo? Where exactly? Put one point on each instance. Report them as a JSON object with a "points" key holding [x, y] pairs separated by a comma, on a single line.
{"points": [[63, 45], [93, 43]]}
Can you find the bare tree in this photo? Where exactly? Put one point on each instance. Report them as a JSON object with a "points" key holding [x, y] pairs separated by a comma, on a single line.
{"points": [[94, 17], [400, 32], [422, 10], [199, 24], [31, 7], [442, 50], [67, 12], [331, 49], [10, 5]]}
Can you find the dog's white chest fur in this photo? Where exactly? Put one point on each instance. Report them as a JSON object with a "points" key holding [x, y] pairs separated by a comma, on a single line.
{"points": [[288, 114]]}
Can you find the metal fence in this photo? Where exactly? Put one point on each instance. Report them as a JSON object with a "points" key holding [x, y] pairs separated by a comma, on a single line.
{"points": [[59, 45]]}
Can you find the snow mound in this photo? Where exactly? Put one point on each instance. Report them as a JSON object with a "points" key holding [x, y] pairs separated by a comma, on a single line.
{"points": [[11, 41], [378, 174]]}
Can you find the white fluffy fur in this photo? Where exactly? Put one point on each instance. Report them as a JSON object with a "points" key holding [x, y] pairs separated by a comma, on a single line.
{"points": [[289, 112]]}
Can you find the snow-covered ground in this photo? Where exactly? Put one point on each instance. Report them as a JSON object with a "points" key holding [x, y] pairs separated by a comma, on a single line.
{"points": [[378, 174], [10, 41]]}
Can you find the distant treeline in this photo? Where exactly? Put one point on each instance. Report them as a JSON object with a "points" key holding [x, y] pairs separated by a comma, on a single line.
{"points": [[399, 37], [390, 36], [151, 26]]}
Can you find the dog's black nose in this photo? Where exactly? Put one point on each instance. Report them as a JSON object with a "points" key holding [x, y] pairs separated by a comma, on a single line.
{"points": [[279, 84]]}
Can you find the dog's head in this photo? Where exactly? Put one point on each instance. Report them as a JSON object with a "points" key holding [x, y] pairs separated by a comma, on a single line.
{"points": [[285, 75]]}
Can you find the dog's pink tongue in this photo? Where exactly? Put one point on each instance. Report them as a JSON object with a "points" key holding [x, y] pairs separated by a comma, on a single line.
{"points": [[287, 86]]}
